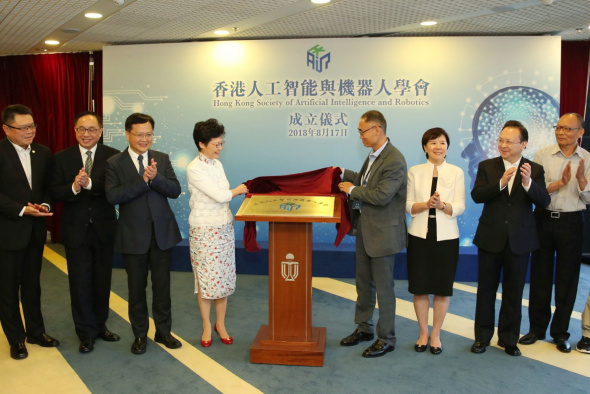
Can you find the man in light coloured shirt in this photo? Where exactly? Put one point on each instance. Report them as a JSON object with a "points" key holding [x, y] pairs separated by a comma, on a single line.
{"points": [[377, 194], [507, 186], [88, 228], [560, 227], [24, 205]]}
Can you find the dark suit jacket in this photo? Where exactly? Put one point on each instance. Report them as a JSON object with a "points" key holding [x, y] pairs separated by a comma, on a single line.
{"points": [[141, 205], [383, 217], [88, 205], [508, 216], [15, 193]]}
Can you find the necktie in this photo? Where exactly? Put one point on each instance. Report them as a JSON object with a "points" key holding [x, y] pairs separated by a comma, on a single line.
{"points": [[140, 159], [88, 163]]}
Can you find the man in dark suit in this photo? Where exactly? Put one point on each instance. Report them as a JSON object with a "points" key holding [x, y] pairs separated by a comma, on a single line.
{"points": [[377, 195], [507, 186], [141, 180], [24, 206], [88, 228]]}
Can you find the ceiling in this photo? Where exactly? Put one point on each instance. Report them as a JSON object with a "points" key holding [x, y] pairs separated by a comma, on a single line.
{"points": [[26, 24]]}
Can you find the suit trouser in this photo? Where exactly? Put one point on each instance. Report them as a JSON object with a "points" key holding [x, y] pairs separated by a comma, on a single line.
{"points": [[490, 267], [586, 318], [89, 274], [136, 265], [374, 280], [561, 250], [20, 270]]}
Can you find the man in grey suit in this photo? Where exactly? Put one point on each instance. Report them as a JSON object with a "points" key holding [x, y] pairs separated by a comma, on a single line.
{"points": [[377, 195], [141, 180]]}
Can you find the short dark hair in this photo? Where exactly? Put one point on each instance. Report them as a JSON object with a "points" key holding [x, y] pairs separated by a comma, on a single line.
{"points": [[90, 113], [580, 118], [137, 118], [207, 130], [377, 117], [524, 134], [12, 110], [432, 134]]}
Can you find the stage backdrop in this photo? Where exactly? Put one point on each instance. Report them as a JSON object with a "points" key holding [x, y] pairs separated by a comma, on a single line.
{"points": [[291, 106]]}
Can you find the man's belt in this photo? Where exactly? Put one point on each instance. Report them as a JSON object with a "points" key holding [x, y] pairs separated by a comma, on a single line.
{"points": [[560, 215]]}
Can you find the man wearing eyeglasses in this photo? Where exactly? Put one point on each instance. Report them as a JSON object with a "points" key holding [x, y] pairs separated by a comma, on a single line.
{"points": [[24, 205], [505, 237], [560, 227], [88, 228], [377, 195], [141, 181]]}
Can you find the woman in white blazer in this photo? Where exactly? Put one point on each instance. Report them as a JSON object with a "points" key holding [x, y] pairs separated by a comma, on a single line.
{"points": [[436, 196]]}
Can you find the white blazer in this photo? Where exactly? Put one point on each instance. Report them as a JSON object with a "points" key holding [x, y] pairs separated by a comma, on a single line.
{"points": [[450, 186]]}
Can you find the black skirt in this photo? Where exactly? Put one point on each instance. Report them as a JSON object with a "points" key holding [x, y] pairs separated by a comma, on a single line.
{"points": [[432, 264]]}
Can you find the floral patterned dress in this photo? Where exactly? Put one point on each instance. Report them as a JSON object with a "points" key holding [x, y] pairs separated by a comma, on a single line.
{"points": [[211, 229]]}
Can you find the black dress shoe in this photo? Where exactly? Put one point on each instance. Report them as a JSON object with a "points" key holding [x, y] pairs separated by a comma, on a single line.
{"points": [[420, 348], [108, 336], [19, 351], [86, 346], [479, 347], [530, 338], [44, 340], [357, 337], [378, 349], [435, 350], [511, 350], [168, 340], [139, 345], [563, 345]]}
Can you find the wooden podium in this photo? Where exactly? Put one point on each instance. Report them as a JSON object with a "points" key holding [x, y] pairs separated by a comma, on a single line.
{"points": [[289, 337]]}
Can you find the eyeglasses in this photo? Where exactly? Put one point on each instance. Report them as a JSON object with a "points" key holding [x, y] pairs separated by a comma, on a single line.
{"points": [[31, 127], [147, 136], [566, 129], [218, 145], [502, 141], [82, 130], [361, 132]]}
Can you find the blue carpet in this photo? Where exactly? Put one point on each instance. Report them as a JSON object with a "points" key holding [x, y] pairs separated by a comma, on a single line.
{"points": [[111, 368]]}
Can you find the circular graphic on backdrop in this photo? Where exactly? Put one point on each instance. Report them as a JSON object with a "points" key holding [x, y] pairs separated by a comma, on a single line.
{"points": [[534, 108]]}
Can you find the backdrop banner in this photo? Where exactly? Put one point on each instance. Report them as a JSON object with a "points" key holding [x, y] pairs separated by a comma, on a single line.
{"points": [[291, 106]]}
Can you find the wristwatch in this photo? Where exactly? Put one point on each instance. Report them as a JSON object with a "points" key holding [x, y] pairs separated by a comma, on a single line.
{"points": [[444, 206]]}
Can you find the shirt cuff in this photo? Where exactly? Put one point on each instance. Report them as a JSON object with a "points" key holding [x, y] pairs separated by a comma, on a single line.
{"points": [[526, 188], [22, 212]]}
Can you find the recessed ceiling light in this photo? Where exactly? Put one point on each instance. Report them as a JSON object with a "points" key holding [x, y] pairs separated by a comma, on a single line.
{"points": [[93, 15], [51, 42], [320, 1], [221, 32], [428, 23]]}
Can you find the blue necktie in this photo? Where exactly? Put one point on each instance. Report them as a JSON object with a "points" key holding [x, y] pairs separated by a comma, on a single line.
{"points": [[140, 159]]}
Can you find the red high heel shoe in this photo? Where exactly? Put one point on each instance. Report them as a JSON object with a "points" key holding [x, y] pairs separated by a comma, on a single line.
{"points": [[206, 343], [226, 341]]}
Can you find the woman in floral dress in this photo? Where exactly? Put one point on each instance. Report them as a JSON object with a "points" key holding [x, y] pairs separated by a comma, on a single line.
{"points": [[211, 228]]}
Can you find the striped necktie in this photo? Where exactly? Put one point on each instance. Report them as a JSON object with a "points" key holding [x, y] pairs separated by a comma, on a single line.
{"points": [[88, 163]]}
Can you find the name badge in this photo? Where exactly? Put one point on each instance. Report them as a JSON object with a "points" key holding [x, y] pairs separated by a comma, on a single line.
{"points": [[356, 205]]}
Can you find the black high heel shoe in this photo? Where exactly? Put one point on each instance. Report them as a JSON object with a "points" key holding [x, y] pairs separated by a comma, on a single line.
{"points": [[421, 348], [435, 350]]}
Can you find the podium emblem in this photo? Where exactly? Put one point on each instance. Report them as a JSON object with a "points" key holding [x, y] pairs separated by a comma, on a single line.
{"points": [[289, 206], [290, 268]]}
